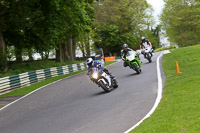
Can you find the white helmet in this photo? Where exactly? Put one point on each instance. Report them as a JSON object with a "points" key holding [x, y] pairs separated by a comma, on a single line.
{"points": [[89, 61], [142, 38], [125, 45]]}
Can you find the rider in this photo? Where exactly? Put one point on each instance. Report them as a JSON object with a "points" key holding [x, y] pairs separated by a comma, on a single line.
{"points": [[145, 43], [91, 63], [124, 52]]}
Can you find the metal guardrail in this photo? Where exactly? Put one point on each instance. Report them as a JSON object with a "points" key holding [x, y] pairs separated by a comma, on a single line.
{"points": [[28, 78]]}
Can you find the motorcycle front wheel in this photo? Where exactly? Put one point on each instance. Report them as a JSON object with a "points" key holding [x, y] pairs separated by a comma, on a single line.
{"points": [[104, 87], [137, 69]]}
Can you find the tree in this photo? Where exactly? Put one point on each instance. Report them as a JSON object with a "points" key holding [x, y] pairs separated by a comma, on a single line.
{"points": [[76, 16], [181, 21], [43, 25], [3, 60], [118, 22], [84, 43]]}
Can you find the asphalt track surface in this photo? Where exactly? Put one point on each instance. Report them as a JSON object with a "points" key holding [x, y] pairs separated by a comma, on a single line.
{"points": [[77, 105]]}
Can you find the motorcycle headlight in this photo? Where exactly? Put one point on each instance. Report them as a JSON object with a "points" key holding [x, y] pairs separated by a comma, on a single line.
{"points": [[95, 75]]}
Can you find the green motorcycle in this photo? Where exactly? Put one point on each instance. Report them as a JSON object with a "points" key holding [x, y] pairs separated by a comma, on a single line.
{"points": [[133, 61]]}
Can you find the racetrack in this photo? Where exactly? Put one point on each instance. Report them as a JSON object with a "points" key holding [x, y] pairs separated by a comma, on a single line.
{"points": [[76, 105]]}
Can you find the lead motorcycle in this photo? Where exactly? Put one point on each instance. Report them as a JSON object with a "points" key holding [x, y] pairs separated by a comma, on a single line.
{"points": [[103, 80], [147, 52]]}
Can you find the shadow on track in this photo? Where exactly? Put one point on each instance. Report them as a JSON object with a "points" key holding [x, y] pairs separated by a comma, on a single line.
{"points": [[100, 93], [103, 92], [132, 74], [147, 62]]}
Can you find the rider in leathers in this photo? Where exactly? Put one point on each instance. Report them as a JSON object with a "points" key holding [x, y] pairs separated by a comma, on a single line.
{"points": [[145, 43], [91, 63], [124, 52]]}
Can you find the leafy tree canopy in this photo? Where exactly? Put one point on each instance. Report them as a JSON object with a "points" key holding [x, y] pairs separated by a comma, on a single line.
{"points": [[180, 19]]}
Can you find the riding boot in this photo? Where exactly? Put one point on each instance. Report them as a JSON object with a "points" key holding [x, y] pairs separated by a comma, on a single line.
{"points": [[107, 72], [125, 64], [111, 76]]}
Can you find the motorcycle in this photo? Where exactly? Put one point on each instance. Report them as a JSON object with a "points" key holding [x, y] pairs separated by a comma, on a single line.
{"points": [[103, 80], [147, 52], [133, 61]]}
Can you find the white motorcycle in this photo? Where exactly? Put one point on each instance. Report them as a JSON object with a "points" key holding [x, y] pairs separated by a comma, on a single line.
{"points": [[148, 53], [103, 80]]}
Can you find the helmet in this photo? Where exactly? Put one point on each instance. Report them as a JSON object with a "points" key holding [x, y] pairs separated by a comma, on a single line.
{"points": [[143, 38], [89, 61], [125, 45]]}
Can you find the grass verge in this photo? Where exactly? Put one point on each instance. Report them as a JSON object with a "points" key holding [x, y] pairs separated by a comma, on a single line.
{"points": [[179, 110], [164, 48], [28, 89]]}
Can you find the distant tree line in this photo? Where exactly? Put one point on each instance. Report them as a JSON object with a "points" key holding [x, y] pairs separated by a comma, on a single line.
{"points": [[63, 25], [181, 20], [123, 21]]}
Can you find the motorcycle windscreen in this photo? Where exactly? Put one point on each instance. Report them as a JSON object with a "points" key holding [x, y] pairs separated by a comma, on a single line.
{"points": [[96, 73], [130, 55]]}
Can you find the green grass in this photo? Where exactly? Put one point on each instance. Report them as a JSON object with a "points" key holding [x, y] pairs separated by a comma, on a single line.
{"points": [[14, 69], [179, 109], [28, 89], [164, 48], [109, 62]]}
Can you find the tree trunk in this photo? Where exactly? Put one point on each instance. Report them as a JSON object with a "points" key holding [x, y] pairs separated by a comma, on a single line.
{"points": [[3, 59], [30, 54], [65, 52], [83, 51], [42, 55], [18, 55], [70, 48], [87, 45], [46, 55], [58, 54], [74, 48], [82, 47]]}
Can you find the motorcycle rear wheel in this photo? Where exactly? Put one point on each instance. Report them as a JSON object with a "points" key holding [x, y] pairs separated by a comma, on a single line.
{"points": [[149, 58], [115, 83]]}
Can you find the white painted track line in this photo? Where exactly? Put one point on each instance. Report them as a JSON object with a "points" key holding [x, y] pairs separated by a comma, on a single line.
{"points": [[43, 87], [159, 96], [36, 90]]}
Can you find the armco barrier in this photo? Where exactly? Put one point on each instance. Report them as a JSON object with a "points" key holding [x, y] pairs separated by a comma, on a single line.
{"points": [[28, 78], [118, 58]]}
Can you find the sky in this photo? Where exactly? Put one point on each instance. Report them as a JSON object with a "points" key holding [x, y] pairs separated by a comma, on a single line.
{"points": [[157, 6]]}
